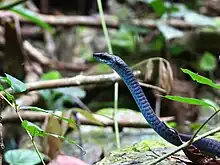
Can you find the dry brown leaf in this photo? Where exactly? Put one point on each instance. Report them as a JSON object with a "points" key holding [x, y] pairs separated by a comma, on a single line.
{"points": [[149, 70], [51, 144]]}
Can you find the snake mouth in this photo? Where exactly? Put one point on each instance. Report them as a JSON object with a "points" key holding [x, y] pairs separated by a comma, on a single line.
{"points": [[103, 57]]}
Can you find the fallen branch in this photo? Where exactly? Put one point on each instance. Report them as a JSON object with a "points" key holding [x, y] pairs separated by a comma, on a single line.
{"points": [[95, 21], [107, 122], [73, 81]]}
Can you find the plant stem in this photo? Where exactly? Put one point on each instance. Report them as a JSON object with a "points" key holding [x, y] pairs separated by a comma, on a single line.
{"points": [[105, 30], [115, 116], [104, 27], [31, 138]]}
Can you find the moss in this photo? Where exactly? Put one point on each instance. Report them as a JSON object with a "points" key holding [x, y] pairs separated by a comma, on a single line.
{"points": [[146, 145]]}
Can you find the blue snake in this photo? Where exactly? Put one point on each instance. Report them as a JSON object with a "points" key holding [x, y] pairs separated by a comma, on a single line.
{"points": [[206, 144]]}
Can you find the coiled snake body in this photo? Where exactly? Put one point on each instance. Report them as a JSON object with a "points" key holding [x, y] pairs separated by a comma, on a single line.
{"points": [[207, 145]]}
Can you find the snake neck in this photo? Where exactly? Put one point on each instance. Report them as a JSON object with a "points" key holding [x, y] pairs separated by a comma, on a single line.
{"points": [[145, 108]]}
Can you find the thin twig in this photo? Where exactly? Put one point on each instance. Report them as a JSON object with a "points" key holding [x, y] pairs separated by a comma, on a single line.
{"points": [[184, 145], [153, 87], [12, 4], [195, 134]]}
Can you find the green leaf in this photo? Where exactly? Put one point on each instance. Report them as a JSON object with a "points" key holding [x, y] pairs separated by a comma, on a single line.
{"points": [[32, 128], [16, 84], [52, 75], [158, 6], [32, 16], [46, 111], [169, 32], [200, 79], [123, 39], [211, 102], [9, 97], [188, 100], [5, 79], [22, 157], [88, 115], [1, 88], [176, 49], [208, 62], [171, 124]]}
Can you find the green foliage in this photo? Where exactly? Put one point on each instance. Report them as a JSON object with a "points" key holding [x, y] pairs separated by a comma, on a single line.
{"points": [[123, 41], [171, 124], [158, 6], [51, 75], [9, 97], [196, 126], [55, 98], [201, 79], [211, 102], [175, 49], [22, 157], [32, 128], [157, 43], [208, 62], [16, 84], [32, 16], [134, 28], [1, 87], [187, 100], [46, 111], [88, 115]]}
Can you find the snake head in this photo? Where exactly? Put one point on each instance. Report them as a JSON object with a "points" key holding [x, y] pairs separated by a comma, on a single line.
{"points": [[111, 60]]}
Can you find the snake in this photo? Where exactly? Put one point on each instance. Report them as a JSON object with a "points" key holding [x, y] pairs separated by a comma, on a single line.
{"points": [[206, 145]]}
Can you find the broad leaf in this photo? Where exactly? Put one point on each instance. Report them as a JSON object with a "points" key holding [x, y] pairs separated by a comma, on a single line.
{"points": [[169, 32], [211, 102], [32, 128], [22, 157], [88, 115], [16, 84], [208, 62], [200, 79], [158, 6], [123, 40], [187, 100]]}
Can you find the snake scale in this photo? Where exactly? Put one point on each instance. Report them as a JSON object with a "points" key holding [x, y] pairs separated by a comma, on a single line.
{"points": [[206, 144]]}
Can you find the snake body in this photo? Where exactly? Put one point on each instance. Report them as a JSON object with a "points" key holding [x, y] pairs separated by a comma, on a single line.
{"points": [[206, 144]]}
